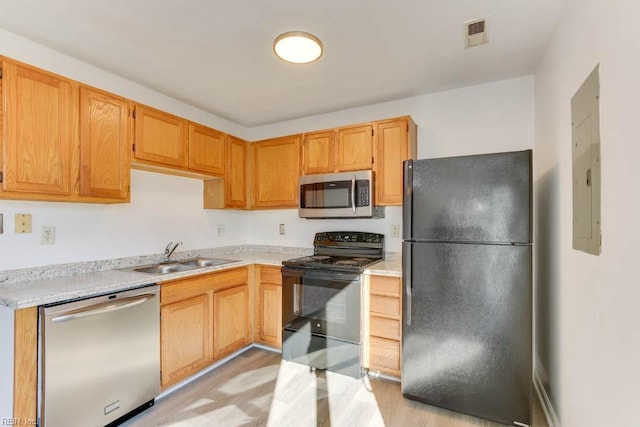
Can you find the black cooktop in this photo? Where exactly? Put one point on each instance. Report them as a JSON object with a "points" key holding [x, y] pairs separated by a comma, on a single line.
{"points": [[342, 250]]}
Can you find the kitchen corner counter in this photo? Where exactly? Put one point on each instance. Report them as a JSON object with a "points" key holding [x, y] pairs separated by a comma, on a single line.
{"points": [[78, 284], [388, 267], [32, 287]]}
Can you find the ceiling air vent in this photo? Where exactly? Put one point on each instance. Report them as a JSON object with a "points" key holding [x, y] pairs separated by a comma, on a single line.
{"points": [[476, 32]]}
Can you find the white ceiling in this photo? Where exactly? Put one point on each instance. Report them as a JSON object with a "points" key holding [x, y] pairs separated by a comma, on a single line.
{"points": [[217, 55]]}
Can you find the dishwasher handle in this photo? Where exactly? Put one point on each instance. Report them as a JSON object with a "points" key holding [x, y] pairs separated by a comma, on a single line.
{"points": [[104, 307]]}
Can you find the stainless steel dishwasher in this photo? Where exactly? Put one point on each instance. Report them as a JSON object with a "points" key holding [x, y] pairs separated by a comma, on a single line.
{"points": [[99, 358]]}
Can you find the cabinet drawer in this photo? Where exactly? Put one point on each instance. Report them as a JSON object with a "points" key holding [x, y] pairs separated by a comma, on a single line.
{"points": [[385, 328], [181, 289], [385, 305], [227, 278], [385, 354], [389, 286], [270, 275]]}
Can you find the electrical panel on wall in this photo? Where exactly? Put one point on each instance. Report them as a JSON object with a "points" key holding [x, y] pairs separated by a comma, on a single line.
{"points": [[585, 146]]}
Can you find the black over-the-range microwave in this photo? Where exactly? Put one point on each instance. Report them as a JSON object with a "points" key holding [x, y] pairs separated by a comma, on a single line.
{"points": [[338, 195]]}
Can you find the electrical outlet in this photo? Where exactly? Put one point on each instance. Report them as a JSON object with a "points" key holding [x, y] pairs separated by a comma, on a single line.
{"points": [[47, 235], [220, 229], [395, 230], [281, 229]]}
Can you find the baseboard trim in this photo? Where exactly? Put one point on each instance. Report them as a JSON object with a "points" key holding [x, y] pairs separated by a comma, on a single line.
{"points": [[204, 371], [545, 402], [266, 347]]}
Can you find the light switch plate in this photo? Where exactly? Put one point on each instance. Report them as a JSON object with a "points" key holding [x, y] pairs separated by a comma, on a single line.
{"points": [[23, 223]]}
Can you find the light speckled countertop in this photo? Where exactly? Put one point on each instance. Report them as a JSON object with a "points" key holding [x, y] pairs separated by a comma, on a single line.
{"points": [[44, 285]]}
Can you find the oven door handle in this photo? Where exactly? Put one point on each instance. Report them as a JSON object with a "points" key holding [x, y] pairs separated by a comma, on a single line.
{"points": [[331, 276]]}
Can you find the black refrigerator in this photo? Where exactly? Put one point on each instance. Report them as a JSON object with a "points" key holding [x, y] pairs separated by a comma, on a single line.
{"points": [[466, 336]]}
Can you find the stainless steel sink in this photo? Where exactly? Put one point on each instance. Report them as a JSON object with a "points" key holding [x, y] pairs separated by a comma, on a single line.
{"points": [[175, 266], [164, 268], [205, 262]]}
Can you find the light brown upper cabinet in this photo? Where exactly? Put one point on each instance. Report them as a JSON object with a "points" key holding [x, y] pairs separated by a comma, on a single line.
{"points": [[276, 168], [106, 132], [236, 176], [319, 152], [230, 192], [160, 138], [355, 148], [39, 141], [395, 142], [207, 150]]}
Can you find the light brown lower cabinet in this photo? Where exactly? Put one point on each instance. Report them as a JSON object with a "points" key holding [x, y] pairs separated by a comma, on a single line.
{"points": [[230, 320], [269, 306], [185, 333], [203, 318], [384, 333]]}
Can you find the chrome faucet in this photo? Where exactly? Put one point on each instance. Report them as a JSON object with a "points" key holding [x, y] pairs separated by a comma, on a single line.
{"points": [[168, 251]]}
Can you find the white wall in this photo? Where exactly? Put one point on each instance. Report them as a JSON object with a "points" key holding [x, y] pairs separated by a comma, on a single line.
{"points": [[486, 118], [587, 310], [477, 119], [21, 49], [162, 207]]}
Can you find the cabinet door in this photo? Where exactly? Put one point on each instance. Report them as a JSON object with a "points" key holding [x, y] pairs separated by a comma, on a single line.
{"points": [[318, 150], [393, 147], [230, 320], [277, 168], [38, 140], [270, 314], [384, 324], [105, 144], [207, 150], [355, 148], [185, 338], [236, 176], [160, 137]]}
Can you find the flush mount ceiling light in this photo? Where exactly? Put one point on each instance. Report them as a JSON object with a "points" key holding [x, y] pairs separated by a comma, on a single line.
{"points": [[297, 47]]}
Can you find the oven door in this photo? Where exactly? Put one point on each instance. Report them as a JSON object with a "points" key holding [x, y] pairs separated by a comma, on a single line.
{"points": [[321, 302]]}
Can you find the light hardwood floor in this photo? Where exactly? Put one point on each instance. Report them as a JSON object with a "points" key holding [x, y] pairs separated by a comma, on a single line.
{"points": [[257, 388]]}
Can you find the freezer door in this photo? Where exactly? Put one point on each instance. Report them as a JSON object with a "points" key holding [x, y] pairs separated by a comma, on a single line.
{"points": [[481, 198], [466, 342]]}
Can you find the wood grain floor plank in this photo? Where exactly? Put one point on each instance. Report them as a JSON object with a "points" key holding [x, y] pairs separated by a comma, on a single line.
{"points": [[257, 388]]}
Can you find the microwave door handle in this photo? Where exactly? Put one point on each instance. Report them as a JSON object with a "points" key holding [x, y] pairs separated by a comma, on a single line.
{"points": [[353, 194]]}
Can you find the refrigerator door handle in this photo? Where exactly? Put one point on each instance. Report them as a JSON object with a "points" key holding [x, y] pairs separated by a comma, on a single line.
{"points": [[406, 277], [407, 200]]}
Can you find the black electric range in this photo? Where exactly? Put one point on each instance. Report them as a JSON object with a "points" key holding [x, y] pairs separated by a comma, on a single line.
{"points": [[321, 301]]}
